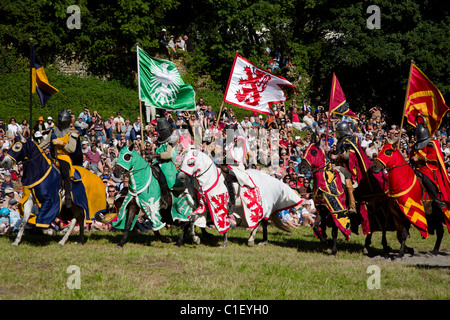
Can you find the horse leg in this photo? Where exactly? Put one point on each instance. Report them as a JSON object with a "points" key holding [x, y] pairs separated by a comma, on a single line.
{"points": [[251, 239], [72, 224], [265, 240], [402, 235], [80, 219], [195, 238], [185, 229], [367, 243], [384, 243], [163, 239], [439, 235], [27, 206], [334, 233], [316, 229], [133, 209], [225, 241]]}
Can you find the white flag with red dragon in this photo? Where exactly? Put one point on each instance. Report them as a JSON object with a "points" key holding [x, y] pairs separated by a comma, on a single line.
{"points": [[254, 88]]}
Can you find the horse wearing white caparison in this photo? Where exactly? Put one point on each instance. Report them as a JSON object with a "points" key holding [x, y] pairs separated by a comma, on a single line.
{"points": [[257, 205]]}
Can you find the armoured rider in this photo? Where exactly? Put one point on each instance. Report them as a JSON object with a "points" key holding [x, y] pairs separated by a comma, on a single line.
{"points": [[63, 140], [235, 154], [345, 135], [162, 160], [426, 159]]}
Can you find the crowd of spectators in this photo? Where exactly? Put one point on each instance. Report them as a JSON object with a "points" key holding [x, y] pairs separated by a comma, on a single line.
{"points": [[276, 143]]}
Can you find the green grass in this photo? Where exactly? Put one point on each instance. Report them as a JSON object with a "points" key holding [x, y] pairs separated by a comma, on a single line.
{"points": [[292, 267]]}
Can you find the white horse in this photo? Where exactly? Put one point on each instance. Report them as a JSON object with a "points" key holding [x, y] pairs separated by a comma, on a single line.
{"points": [[257, 205]]}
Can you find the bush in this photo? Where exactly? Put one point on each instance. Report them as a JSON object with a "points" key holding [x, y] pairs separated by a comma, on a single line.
{"points": [[107, 97]]}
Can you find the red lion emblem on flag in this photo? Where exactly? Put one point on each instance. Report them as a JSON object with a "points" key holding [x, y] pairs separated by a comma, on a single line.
{"points": [[251, 87]]}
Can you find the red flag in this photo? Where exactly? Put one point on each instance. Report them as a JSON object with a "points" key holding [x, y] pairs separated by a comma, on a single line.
{"points": [[253, 88], [338, 104], [424, 98]]}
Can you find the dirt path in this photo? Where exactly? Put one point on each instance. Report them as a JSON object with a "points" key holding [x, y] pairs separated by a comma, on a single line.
{"points": [[421, 258]]}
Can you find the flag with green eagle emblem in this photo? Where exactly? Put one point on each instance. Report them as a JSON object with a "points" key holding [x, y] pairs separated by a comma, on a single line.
{"points": [[161, 86]]}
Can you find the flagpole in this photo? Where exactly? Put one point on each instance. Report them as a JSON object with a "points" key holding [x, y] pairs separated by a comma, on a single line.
{"points": [[31, 86], [404, 104], [140, 101]]}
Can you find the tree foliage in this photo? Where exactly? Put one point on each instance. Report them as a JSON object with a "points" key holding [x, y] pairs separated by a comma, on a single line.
{"points": [[320, 36]]}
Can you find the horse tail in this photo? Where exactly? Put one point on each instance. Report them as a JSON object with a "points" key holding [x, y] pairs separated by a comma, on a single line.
{"points": [[276, 219]]}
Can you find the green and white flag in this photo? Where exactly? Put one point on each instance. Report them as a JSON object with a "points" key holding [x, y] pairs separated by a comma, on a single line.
{"points": [[161, 86]]}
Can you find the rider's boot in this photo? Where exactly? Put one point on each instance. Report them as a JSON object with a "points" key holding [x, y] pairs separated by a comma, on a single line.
{"points": [[351, 197]]}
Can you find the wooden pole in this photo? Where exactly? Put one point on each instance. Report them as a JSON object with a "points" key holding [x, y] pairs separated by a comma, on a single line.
{"points": [[31, 87], [140, 101], [404, 104]]}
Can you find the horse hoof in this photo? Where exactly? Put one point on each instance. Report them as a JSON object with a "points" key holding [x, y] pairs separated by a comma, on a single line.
{"points": [[365, 251], [15, 244], [166, 240], [223, 246], [196, 240], [263, 243], [250, 243], [119, 246], [60, 245]]}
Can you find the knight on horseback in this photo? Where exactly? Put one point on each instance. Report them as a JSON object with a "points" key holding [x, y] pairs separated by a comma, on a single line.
{"points": [[343, 148], [427, 161], [234, 167], [163, 166], [62, 140]]}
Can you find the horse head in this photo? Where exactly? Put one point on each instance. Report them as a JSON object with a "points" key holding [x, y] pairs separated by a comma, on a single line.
{"points": [[22, 149], [189, 165], [194, 163], [388, 157], [125, 161], [314, 158]]}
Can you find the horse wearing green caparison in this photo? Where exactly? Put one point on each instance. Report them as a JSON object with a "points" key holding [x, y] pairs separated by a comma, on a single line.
{"points": [[144, 194]]}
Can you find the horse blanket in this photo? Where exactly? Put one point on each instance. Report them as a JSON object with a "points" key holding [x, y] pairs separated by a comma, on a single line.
{"points": [[145, 188], [329, 191], [45, 193], [404, 187]]}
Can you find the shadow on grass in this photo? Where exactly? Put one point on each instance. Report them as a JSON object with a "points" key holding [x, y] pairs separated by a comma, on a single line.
{"points": [[303, 243]]}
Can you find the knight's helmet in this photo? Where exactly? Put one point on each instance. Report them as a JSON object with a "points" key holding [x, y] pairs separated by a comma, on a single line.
{"points": [[343, 129], [164, 129], [422, 133], [64, 120]]}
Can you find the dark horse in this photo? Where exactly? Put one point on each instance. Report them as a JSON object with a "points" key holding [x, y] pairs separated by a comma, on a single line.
{"points": [[405, 187], [144, 193], [329, 196], [42, 184], [331, 202]]}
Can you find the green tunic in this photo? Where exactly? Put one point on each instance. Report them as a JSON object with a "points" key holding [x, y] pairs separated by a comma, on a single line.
{"points": [[166, 163]]}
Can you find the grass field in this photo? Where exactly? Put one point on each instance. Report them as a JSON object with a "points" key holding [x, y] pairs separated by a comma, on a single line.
{"points": [[293, 266]]}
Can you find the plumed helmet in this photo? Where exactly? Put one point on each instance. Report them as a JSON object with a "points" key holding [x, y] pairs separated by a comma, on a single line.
{"points": [[64, 120], [164, 129], [343, 129]]}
